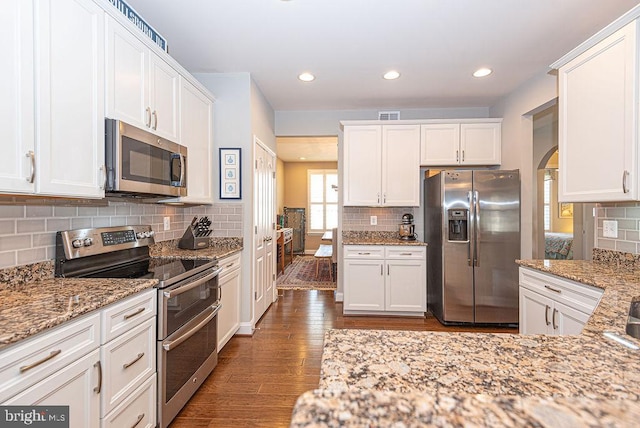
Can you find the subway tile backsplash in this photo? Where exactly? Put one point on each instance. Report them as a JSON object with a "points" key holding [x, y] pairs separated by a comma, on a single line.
{"points": [[627, 215], [27, 232], [359, 218]]}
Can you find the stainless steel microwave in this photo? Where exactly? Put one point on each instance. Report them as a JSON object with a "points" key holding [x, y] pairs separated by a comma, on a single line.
{"points": [[142, 164]]}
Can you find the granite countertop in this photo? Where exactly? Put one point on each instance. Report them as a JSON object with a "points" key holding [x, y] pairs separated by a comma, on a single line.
{"points": [[387, 377], [377, 238], [31, 308], [32, 300]]}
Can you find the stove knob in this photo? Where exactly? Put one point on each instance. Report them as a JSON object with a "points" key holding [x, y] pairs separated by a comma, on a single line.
{"points": [[77, 243], [140, 235], [88, 242]]}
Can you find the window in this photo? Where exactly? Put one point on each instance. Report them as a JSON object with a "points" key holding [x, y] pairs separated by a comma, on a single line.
{"points": [[323, 199], [548, 183]]}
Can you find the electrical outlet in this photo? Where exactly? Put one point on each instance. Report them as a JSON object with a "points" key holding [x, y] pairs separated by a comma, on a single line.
{"points": [[610, 228], [373, 220], [167, 223]]}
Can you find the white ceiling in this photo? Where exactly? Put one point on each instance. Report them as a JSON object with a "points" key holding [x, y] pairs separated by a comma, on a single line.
{"points": [[349, 44]]}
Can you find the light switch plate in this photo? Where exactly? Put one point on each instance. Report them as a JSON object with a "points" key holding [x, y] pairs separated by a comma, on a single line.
{"points": [[610, 228], [166, 222]]}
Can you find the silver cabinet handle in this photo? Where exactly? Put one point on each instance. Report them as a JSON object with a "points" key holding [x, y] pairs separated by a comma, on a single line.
{"points": [[555, 290], [406, 254], [384, 198], [155, 120], [364, 254], [32, 159], [140, 418], [625, 174], [98, 388], [553, 318], [37, 363], [388, 270], [457, 155], [135, 360], [103, 184], [229, 265], [138, 312], [381, 270], [148, 121], [378, 197], [546, 314], [463, 156]]}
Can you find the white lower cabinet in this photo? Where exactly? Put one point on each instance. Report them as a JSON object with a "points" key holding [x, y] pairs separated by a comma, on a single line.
{"points": [[68, 366], [385, 279], [553, 305], [229, 314]]}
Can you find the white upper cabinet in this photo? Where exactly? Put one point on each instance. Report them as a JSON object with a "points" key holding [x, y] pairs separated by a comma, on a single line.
{"points": [[461, 143], [142, 89], [69, 98], [598, 121], [196, 133], [381, 165], [17, 100]]}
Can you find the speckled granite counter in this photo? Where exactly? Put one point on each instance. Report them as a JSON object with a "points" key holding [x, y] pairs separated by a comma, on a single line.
{"points": [[447, 379], [218, 248], [29, 308], [376, 238]]}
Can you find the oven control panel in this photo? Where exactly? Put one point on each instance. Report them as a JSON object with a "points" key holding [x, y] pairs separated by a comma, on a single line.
{"points": [[88, 242]]}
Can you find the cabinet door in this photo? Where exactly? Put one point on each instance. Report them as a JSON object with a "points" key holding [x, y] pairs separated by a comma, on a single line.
{"points": [[440, 144], [76, 385], [566, 320], [16, 103], [401, 165], [70, 98], [535, 313], [127, 79], [229, 314], [196, 133], [164, 101], [364, 285], [406, 285], [480, 143], [598, 98], [362, 165]]}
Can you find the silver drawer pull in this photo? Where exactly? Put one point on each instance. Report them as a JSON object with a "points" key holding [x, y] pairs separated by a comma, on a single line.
{"points": [[37, 363], [138, 312], [555, 290], [364, 254], [98, 388], [229, 265], [140, 418], [127, 365], [406, 254]]}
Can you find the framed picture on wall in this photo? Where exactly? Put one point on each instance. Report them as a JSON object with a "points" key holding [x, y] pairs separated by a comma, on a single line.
{"points": [[230, 184], [565, 210]]}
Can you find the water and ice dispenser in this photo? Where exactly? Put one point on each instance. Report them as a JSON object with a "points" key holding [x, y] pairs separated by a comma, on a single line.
{"points": [[458, 219]]}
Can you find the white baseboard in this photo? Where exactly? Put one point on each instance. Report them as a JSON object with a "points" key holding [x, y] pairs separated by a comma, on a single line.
{"points": [[339, 296]]}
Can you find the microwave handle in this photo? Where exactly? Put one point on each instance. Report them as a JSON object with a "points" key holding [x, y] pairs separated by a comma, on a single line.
{"points": [[183, 167]]}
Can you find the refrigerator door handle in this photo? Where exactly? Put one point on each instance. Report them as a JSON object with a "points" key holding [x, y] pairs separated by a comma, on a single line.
{"points": [[470, 218], [476, 247]]}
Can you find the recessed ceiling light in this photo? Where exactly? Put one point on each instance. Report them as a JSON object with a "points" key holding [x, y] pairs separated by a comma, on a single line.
{"points": [[391, 75], [302, 158], [306, 77], [482, 72]]}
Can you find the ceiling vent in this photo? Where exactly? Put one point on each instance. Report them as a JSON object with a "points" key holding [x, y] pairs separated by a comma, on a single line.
{"points": [[388, 115]]}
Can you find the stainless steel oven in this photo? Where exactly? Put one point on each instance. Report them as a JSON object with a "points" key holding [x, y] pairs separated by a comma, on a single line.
{"points": [[142, 164], [187, 340]]}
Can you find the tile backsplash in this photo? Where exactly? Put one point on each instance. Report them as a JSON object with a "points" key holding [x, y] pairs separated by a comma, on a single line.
{"points": [[627, 215], [27, 232], [359, 218]]}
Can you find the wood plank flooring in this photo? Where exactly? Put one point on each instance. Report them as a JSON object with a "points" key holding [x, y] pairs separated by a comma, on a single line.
{"points": [[259, 378]]}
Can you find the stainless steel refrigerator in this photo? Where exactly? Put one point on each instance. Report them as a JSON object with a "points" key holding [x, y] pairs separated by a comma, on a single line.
{"points": [[472, 228]]}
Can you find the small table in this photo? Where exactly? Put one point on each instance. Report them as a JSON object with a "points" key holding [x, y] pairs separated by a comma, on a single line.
{"points": [[285, 237], [324, 252]]}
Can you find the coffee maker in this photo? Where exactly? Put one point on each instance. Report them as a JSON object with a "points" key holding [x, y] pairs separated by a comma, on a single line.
{"points": [[407, 228]]}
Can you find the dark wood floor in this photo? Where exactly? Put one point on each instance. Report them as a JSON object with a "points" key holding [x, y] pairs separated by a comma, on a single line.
{"points": [[259, 378]]}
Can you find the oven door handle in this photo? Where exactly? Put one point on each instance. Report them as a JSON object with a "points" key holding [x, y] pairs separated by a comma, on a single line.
{"points": [[181, 335], [191, 285]]}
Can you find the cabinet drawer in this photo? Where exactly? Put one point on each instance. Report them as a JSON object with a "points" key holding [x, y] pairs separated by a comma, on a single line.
{"points": [[123, 316], [229, 264], [127, 362], [138, 409], [576, 295], [36, 358], [405, 252], [363, 252]]}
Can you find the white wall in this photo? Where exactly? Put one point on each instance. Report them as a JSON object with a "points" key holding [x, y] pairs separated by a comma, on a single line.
{"points": [[327, 122], [517, 110]]}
